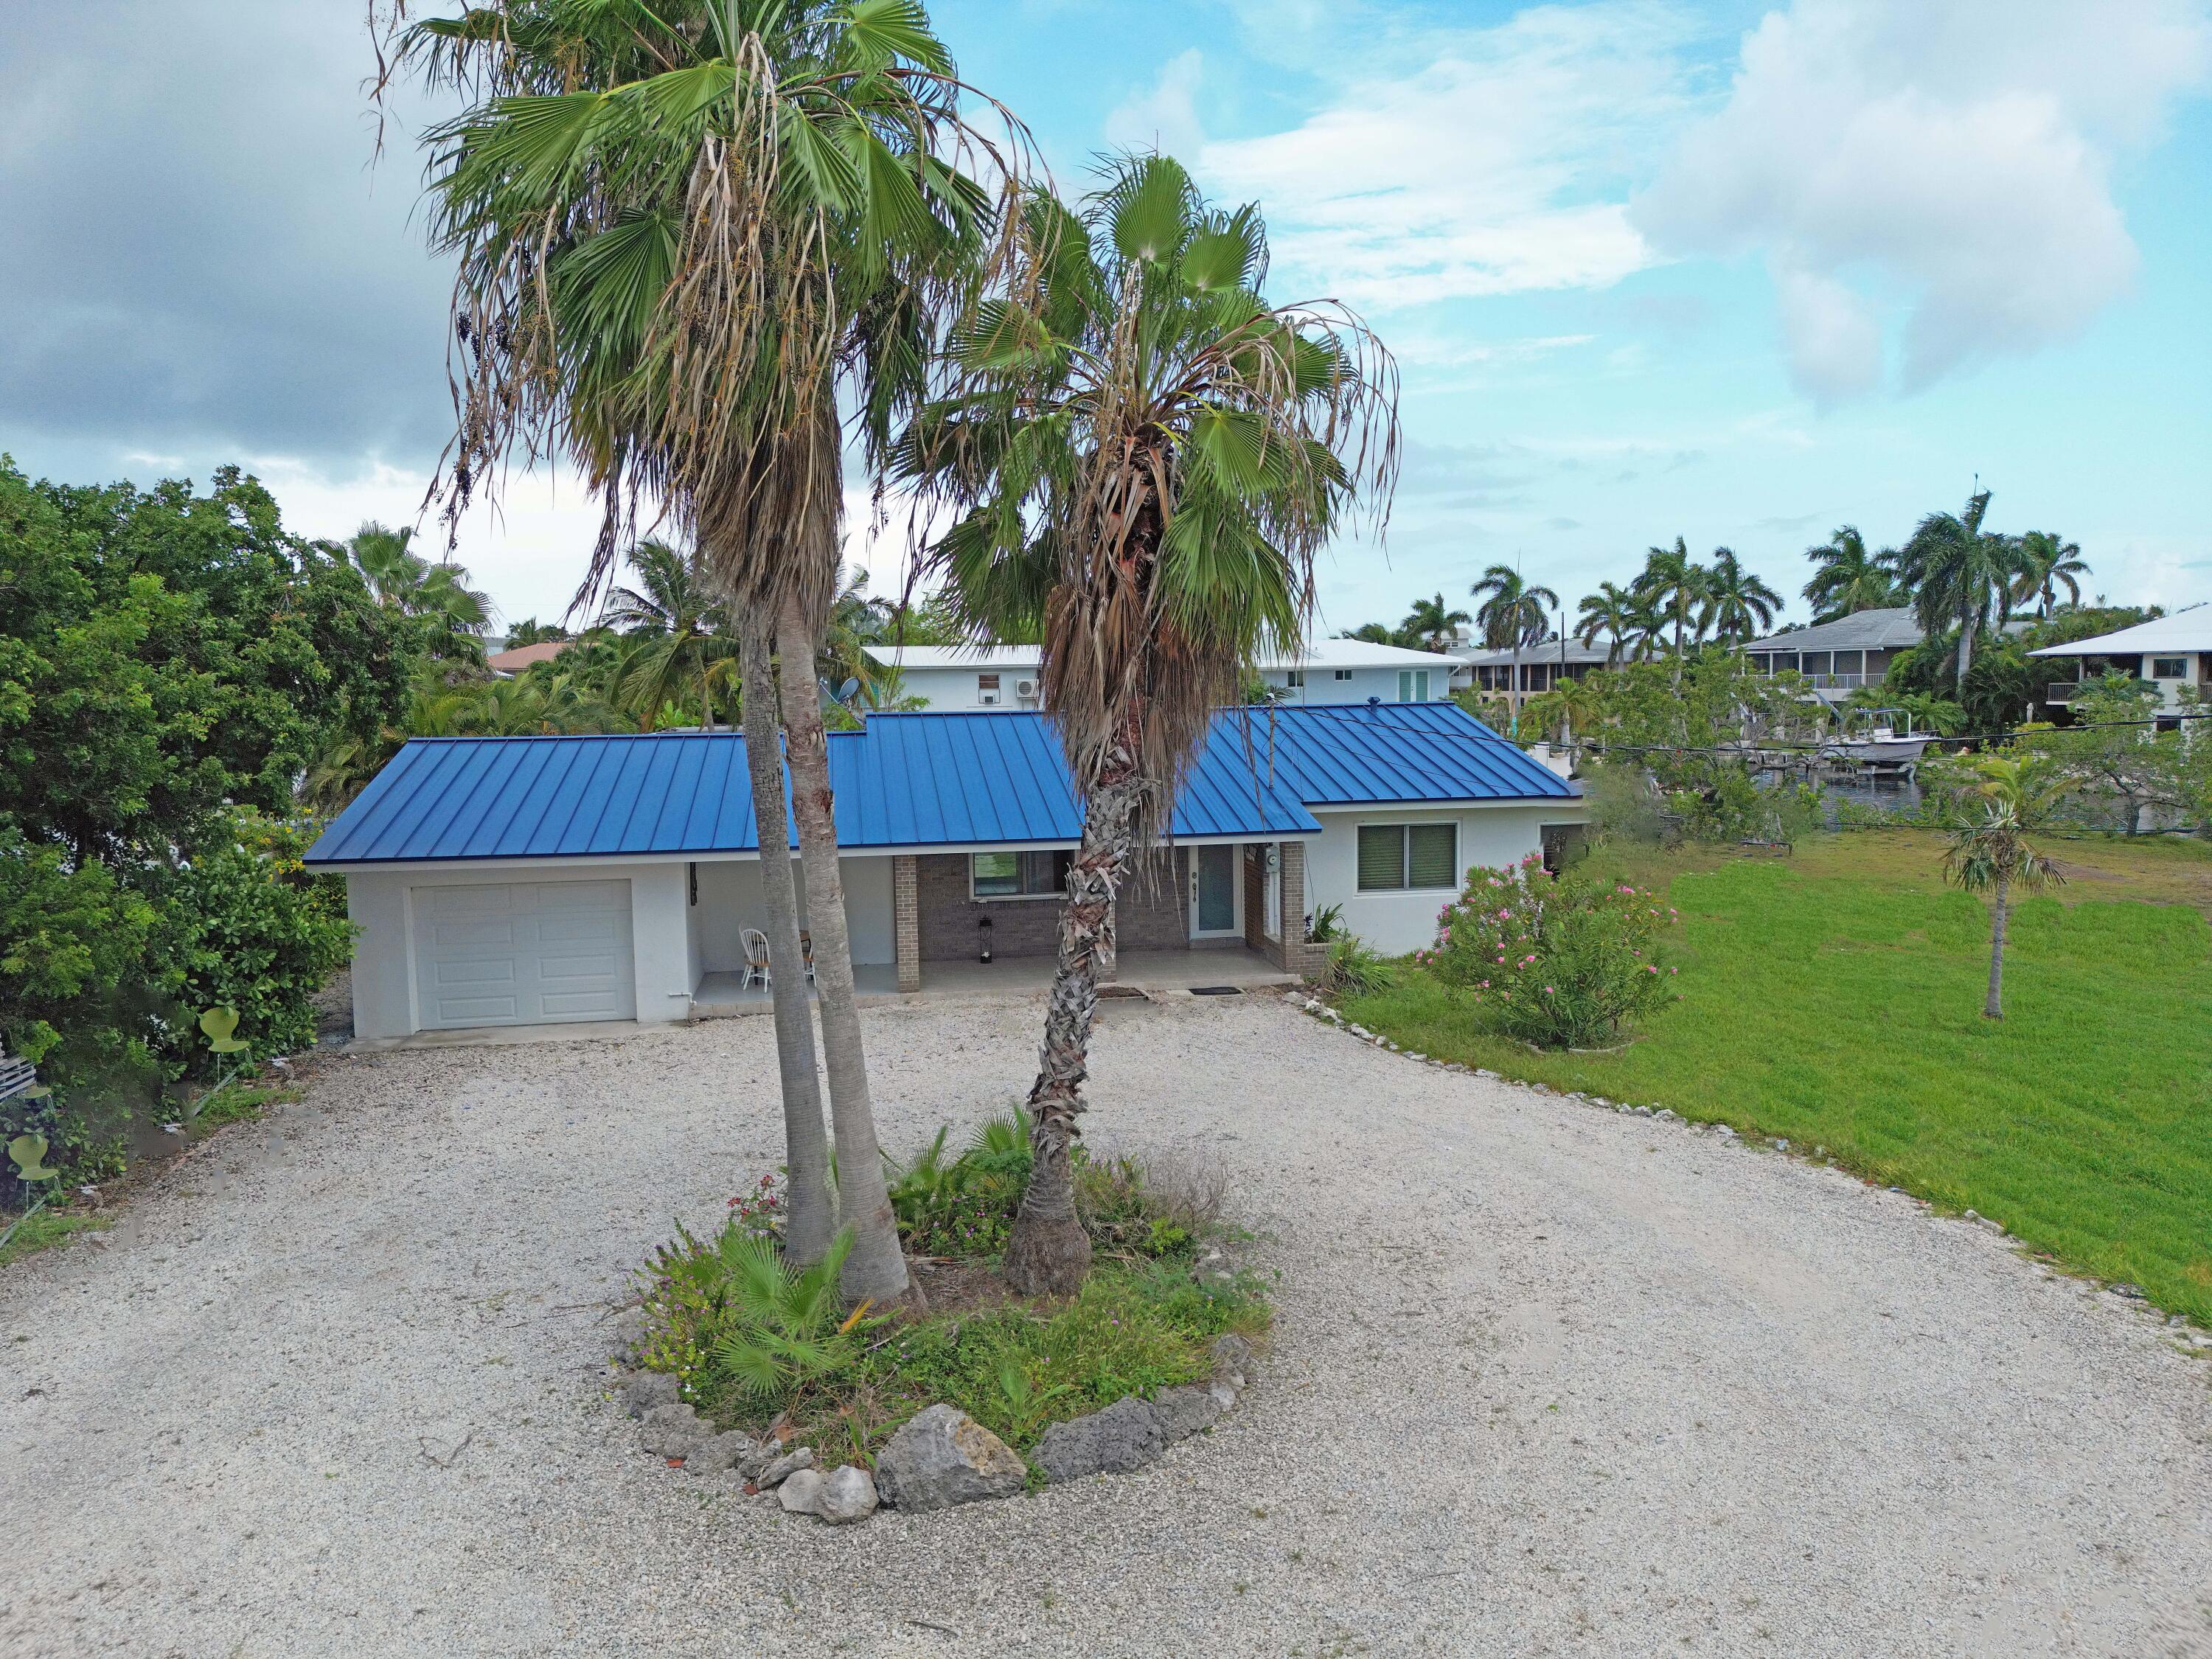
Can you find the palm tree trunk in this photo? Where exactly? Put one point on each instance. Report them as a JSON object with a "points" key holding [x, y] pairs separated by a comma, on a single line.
{"points": [[1994, 1008], [1514, 705], [1049, 1251], [876, 1269], [809, 1221], [1966, 653]]}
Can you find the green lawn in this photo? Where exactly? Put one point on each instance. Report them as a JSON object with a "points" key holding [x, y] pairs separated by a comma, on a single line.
{"points": [[1835, 999]]}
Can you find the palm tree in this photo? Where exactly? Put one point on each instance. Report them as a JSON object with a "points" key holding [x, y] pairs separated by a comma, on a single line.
{"points": [[1847, 578], [1512, 614], [2047, 564], [531, 631], [1430, 624], [1990, 853], [1677, 587], [1739, 606], [675, 226], [1147, 456], [1612, 610], [682, 629], [403, 580], [1374, 634], [1961, 576]]}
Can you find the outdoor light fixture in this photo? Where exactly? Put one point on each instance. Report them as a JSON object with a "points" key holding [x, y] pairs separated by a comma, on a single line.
{"points": [[983, 929]]}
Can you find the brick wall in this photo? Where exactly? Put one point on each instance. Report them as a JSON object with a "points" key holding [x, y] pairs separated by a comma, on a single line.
{"points": [[1149, 914], [1295, 956], [1255, 897], [906, 920]]}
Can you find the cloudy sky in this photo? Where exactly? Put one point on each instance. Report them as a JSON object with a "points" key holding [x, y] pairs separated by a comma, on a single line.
{"points": [[1732, 271]]}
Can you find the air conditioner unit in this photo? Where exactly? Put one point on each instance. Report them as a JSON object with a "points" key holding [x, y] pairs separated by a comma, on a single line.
{"points": [[1025, 689]]}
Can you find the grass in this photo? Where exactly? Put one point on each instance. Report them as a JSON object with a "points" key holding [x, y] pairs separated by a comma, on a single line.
{"points": [[48, 1227], [1834, 999]]}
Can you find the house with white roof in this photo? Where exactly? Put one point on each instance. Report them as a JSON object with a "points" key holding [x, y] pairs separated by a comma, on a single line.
{"points": [[954, 678], [2169, 652], [539, 880]]}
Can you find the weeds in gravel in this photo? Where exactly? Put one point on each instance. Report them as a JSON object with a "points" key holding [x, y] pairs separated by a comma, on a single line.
{"points": [[45, 1230]]}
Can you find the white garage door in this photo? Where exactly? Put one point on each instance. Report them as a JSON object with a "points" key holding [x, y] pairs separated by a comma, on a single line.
{"points": [[524, 953]]}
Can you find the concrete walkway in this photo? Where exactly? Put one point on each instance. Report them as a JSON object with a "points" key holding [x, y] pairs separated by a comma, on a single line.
{"points": [[1547, 1380]]}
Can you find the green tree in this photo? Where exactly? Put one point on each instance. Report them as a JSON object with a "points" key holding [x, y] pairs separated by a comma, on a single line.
{"points": [[675, 226], [1739, 606], [1678, 587], [1848, 578], [2047, 564], [531, 631], [1962, 578], [438, 596], [1430, 625], [1613, 611], [1147, 455], [680, 630], [2013, 798], [1511, 614]]}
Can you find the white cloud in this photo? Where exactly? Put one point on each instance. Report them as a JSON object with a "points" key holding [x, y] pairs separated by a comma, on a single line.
{"points": [[1493, 163], [1165, 118], [1951, 161]]}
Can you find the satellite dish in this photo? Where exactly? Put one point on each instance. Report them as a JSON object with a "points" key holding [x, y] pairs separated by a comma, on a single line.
{"points": [[845, 691]]}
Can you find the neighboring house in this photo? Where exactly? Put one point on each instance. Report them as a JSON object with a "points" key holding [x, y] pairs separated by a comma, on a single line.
{"points": [[507, 664], [1840, 656], [503, 881], [952, 678], [1542, 666], [2170, 652]]}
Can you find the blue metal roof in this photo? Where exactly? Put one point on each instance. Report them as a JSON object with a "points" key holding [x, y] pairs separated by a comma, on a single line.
{"points": [[906, 781], [1361, 753]]}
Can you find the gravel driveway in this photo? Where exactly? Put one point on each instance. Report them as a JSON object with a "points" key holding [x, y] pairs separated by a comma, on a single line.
{"points": [[1545, 1380]]}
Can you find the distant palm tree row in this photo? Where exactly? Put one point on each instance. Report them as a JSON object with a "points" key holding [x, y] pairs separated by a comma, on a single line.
{"points": [[1961, 580]]}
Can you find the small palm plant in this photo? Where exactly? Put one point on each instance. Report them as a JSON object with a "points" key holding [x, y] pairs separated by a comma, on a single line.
{"points": [[776, 1328], [1990, 852]]}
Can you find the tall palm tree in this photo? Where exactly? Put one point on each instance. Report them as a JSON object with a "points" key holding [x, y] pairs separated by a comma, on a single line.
{"points": [[1612, 610], [1512, 615], [682, 628], [1962, 577], [1990, 853], [1847, 578], [1677, 587], [1148, 455], [403, 580], [2047, 564], [1739, 606], [676, 225], [1429, 623]]}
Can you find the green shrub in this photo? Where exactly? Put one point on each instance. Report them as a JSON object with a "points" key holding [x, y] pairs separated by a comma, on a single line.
{"points": [[963, 1205], [1356, 969], [1560, 962]]}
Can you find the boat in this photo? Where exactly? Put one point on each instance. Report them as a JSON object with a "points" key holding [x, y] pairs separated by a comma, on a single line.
{"points": [[1880, 742]]}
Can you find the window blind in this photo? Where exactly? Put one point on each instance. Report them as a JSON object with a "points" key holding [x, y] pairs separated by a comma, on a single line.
{"points": [[1382, 856], [1432, 855]]}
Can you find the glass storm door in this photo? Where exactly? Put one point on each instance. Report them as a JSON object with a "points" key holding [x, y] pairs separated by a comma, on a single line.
{"points": [[1214, 891]]}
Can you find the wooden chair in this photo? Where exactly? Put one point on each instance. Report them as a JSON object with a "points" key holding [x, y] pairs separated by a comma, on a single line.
{"points": [[806, 952], [755, 944]]}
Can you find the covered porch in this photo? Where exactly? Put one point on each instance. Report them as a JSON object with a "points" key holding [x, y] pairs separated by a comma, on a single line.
{"points": [[1197, 916], [1232, 971]]}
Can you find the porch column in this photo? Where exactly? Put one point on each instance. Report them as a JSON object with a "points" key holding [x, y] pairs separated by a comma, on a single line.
{"points": [[1299, 956], [906, 920]]}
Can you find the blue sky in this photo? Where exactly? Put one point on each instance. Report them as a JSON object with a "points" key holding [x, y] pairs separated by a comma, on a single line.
{"points": [[1738, 272]]}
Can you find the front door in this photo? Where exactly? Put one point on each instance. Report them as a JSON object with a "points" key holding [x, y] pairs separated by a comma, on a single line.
{"points": [[1213, 892]]}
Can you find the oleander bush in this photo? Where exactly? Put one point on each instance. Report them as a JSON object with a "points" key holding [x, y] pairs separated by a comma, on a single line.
{"points": [[1561, 961]]}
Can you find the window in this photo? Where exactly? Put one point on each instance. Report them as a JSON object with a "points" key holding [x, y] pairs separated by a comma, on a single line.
{"points": [[1294, 679], [2169, 668], [1344, 673], [986, 688], [1018, 875], [1394, 857], [1412, 685]]}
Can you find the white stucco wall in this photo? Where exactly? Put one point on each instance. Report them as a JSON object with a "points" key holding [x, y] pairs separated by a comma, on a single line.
{"points": [[1396, 923], [384, 999], [1322, 685], [730, 900], [948, 689]]}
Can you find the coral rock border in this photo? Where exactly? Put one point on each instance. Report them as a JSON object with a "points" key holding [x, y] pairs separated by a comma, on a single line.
{"points": [[2175, 1327], [941, 1458]]}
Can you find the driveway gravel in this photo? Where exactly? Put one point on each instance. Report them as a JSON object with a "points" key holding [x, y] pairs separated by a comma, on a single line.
{"points": [[1545, 1380]]}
